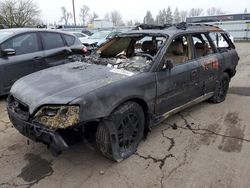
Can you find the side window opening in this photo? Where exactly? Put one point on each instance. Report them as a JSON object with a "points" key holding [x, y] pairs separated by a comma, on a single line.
{"points": [[70, 40], [133, 52], [202, 45], [132, 46], [23, 44], [52, 40], [219, 40], [179, 50]]}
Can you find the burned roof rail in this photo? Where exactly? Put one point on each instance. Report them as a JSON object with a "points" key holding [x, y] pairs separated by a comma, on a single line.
{"points": [[182, 26], [151, 26], [185, 25], [201, 24]]}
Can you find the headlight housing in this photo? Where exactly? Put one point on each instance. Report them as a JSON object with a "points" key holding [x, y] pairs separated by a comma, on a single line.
{"points": [[58, 117]]}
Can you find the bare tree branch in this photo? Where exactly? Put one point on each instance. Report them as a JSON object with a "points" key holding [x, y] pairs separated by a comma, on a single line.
{"points": [[65, 16], [19, 13], [84, 13]]}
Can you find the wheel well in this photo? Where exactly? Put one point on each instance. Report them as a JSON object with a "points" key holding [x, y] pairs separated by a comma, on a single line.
{"points": [[229, 72], [91, 127], [144, 107]]}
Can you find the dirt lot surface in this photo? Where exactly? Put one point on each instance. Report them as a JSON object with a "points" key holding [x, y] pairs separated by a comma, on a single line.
{"points": [[206, 145]]}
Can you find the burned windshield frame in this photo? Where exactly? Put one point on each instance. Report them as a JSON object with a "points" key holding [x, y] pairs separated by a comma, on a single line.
{"points": [[143, 43], [135, 52]]}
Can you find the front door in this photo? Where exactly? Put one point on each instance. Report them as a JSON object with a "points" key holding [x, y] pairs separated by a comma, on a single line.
{"points": [[28, 58], [56, 51], [209, 60], [180, 84]]}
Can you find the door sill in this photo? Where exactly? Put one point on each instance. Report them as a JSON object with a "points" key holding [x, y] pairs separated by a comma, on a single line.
{"points": [[180, 108]]}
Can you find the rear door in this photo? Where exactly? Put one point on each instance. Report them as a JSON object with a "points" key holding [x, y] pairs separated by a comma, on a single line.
{"points": [[209, 61], [74, 44], [226, 48], [180, 84], [27, 59], [56, 51]]}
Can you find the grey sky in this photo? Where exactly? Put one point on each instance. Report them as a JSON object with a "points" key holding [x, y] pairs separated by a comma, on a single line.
{"points": [[134, 9]]}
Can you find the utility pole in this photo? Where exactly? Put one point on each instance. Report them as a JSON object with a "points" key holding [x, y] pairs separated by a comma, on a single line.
{"points": [[74, 14]]}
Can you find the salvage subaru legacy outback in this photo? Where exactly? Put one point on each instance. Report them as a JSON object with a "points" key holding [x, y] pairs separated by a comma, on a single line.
{"points": [[131, 83]]}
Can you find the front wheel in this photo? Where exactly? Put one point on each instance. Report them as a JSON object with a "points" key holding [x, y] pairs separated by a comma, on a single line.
{"points": [[128, 122], [221, 89]]}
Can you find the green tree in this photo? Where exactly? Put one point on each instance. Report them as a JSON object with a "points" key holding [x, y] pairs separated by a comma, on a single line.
{"points": [[148, 19], [159, 19], [183, 15], [214, 11], [177, 17], [195, 12], [169, 16]]}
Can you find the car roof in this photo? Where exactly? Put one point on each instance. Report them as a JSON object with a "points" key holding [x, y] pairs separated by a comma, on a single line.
{"points": [[171, 30], [16, 31]]}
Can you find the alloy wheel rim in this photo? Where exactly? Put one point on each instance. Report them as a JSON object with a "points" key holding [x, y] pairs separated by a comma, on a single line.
{"points": [[128, 131]]}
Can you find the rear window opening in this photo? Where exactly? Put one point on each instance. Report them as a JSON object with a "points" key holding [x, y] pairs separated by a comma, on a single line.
{"points": [[221, 40], [132, 53]]}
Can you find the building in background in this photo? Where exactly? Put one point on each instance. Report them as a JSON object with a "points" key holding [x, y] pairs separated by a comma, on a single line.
{"points": [[237, 25], [102, 23]]}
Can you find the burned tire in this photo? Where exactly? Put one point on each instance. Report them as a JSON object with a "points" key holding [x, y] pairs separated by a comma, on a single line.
{"points": [[221, 89], [128, 124]]}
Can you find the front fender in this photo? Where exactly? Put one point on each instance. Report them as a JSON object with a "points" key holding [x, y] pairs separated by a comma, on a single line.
{"points": [[102, 102], [94, 107]]}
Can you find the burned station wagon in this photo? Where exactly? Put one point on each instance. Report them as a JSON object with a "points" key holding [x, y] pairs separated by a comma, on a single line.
{"points": [[131, 83]]}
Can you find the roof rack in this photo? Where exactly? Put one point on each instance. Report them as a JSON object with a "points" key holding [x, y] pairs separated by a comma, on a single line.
{"points": [[182, 26], [147, 26]]}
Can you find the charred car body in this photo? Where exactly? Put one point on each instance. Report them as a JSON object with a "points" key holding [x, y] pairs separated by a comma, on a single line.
{"points": [[131, 83]]}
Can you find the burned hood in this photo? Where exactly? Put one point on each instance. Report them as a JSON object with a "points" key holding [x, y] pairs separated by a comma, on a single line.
{"points": [[64, 83]]}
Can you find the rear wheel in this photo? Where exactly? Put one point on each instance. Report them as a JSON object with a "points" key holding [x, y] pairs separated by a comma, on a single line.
{"points": [[221, 89], [128, 121]]}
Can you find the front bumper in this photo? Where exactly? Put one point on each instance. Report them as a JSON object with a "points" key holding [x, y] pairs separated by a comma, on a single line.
{"points": [[38, 133]]}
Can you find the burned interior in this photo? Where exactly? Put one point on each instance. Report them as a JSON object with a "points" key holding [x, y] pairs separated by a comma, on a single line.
{"points": [[130, 52]]}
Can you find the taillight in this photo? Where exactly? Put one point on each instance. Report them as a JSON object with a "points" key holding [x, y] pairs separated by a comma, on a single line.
{"points": [[84, 50]]}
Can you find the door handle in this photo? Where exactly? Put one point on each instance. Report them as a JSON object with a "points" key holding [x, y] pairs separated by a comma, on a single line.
{"points": [[194, 73], [37, 58]]}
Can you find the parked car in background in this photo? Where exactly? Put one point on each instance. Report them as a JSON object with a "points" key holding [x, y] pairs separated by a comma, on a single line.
{"points": [[79, 35], [2, 26], [98, 38], [24, 51], [129, 84], [87, 32]]}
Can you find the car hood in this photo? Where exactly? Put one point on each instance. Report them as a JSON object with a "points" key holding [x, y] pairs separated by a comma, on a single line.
{"points": [[64, 83], [93, 41]]}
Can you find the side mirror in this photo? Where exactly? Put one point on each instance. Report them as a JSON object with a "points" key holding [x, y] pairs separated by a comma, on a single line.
{"points": [[8, 52], [168, 64]]}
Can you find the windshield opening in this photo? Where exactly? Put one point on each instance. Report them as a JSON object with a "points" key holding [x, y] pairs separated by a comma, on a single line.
{"points": [[99, 35], [132, 53], [5, 34]]}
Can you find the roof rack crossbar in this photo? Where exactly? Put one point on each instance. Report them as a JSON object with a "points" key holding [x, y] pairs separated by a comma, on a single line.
{"points": [[182, 26]]}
